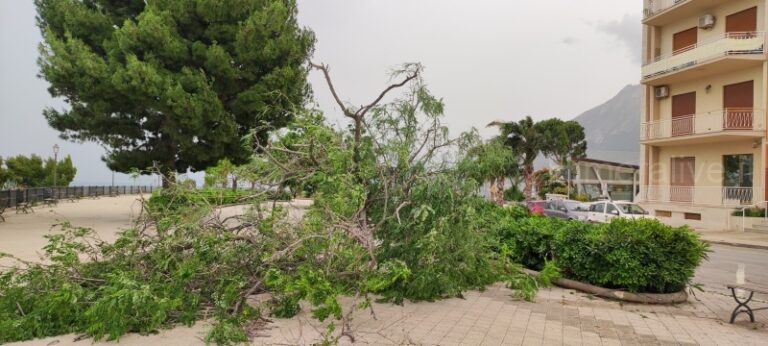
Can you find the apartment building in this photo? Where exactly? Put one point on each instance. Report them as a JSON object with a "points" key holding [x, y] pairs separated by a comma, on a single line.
{"points": [[703, 126]]}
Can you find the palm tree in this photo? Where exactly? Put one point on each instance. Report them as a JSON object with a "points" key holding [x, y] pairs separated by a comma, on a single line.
{"points": [[527, 141]]}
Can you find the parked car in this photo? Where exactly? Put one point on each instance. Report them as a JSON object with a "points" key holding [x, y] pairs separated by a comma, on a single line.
{"points": [[604, 211], [566, 209], [536, 207]]}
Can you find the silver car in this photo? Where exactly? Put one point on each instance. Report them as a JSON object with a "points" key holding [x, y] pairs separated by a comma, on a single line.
{"points": [[566, 209]]}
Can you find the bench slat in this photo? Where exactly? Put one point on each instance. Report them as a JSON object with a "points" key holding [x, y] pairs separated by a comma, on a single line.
{"points": [[750, 287]]}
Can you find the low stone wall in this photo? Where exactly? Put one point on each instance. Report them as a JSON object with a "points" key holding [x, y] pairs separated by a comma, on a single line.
{"points": [[736, 222], [608, 293]]}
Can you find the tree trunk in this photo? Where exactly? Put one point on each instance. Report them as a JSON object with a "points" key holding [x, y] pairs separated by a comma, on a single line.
{"points": [[356, 148], [169, 179], [492, 190], [528, 189], [500, 190], [234, 183]]}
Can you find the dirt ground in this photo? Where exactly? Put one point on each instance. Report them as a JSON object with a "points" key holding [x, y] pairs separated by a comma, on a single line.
{"points": [[21, 234]]}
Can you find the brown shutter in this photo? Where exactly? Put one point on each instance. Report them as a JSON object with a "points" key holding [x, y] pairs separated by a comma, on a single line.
{"points": [[682, 41], [744, 21], [683, 104], [738, 101], [682, 179], [683, 110], [740, 95], [683, 169]]}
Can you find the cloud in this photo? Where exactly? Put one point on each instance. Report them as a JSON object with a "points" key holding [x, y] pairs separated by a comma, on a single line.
{"points": [[626, 31], [569, 40]]}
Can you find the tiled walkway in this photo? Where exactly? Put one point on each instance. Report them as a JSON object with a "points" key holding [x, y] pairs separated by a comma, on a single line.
{"points": [[557, 317]]}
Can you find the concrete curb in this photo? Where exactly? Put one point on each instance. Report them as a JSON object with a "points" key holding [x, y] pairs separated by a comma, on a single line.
{"points": [[748, 246], [640, 298]]}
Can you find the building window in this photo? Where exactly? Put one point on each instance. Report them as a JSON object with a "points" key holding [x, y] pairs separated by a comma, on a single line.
{"points": [[663, 213], [693, 216], [737, 170]]}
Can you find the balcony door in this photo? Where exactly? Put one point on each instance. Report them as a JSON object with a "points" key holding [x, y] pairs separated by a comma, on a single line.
{"points": [[737, 178], [685, 40], [682, 179], [744, 22], [738, 101], [683, 113]]}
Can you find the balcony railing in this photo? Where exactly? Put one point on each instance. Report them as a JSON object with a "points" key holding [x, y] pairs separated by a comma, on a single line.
{"points": [[653, 7], [732, 43], [703, 195], [726, 120]]}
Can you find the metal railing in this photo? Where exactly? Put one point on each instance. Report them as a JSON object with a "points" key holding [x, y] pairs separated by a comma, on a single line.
{"points": [[730, 43], [653, 7], [710, 122], [703, 195], [10, 198]]}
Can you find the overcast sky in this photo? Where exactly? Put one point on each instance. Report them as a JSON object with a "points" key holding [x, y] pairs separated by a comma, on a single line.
{"points": [[488, 59]]}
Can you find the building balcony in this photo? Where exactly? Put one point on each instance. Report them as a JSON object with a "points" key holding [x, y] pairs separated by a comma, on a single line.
{"points": [[663, 12], [732, 123], [703, 195], [723, 54], [653, 8]]}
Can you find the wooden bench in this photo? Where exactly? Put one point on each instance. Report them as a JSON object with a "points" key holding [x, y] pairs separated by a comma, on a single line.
{"points": [[73, 198], [742, 306], [2, 210], [50, 202]]}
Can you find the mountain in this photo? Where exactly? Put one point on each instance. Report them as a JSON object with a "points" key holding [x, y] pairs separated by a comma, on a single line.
{"points": [[613, 128]]}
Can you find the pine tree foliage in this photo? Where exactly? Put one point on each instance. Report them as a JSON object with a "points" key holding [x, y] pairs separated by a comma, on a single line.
{"points": [[172, 83]]}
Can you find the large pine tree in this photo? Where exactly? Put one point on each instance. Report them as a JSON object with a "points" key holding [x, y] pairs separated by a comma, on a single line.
{"points": [[172, 83]]}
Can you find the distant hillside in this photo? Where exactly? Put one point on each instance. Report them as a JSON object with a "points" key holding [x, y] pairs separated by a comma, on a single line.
{"points": [[613, 128]]}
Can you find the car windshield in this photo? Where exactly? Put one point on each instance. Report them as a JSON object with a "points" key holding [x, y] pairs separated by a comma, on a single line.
{"points": [[632, 209], [573, 205]]}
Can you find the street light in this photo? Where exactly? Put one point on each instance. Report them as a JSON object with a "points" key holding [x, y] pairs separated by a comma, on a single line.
{"points": [[55, 163]]}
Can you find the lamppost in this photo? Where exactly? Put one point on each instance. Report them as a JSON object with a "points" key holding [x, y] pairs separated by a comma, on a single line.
{"points": [[55, 163]]}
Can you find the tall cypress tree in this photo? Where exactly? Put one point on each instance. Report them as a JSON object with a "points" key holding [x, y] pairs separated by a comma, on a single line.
{"points": [[172, 83]]}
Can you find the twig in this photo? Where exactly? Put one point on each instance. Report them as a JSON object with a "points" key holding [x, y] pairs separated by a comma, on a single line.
{"points": [[245, 296]]}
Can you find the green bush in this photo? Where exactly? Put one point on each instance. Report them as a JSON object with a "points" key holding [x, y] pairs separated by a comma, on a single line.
{"points": [[582, 197], [750, 212], [530, 239], [637, 255], [513, 194]]}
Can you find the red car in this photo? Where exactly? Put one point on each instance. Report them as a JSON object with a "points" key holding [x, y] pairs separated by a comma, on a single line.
{"points": [[536, 207]]}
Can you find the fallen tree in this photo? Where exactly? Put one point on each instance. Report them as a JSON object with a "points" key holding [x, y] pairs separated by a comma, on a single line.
{"points": [[392, 218]]}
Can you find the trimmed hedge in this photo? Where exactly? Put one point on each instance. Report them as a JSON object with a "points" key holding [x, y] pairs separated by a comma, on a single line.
{"points": [[750, 212], [636, 255]]}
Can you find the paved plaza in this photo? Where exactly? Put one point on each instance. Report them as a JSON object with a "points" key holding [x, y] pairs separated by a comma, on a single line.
{"points": [[492, 317], [557, 317]]}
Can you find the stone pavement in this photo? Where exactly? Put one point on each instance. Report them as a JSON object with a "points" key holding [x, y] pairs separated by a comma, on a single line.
{"points": [[736, 238], [492, 317], [557, 317]]}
